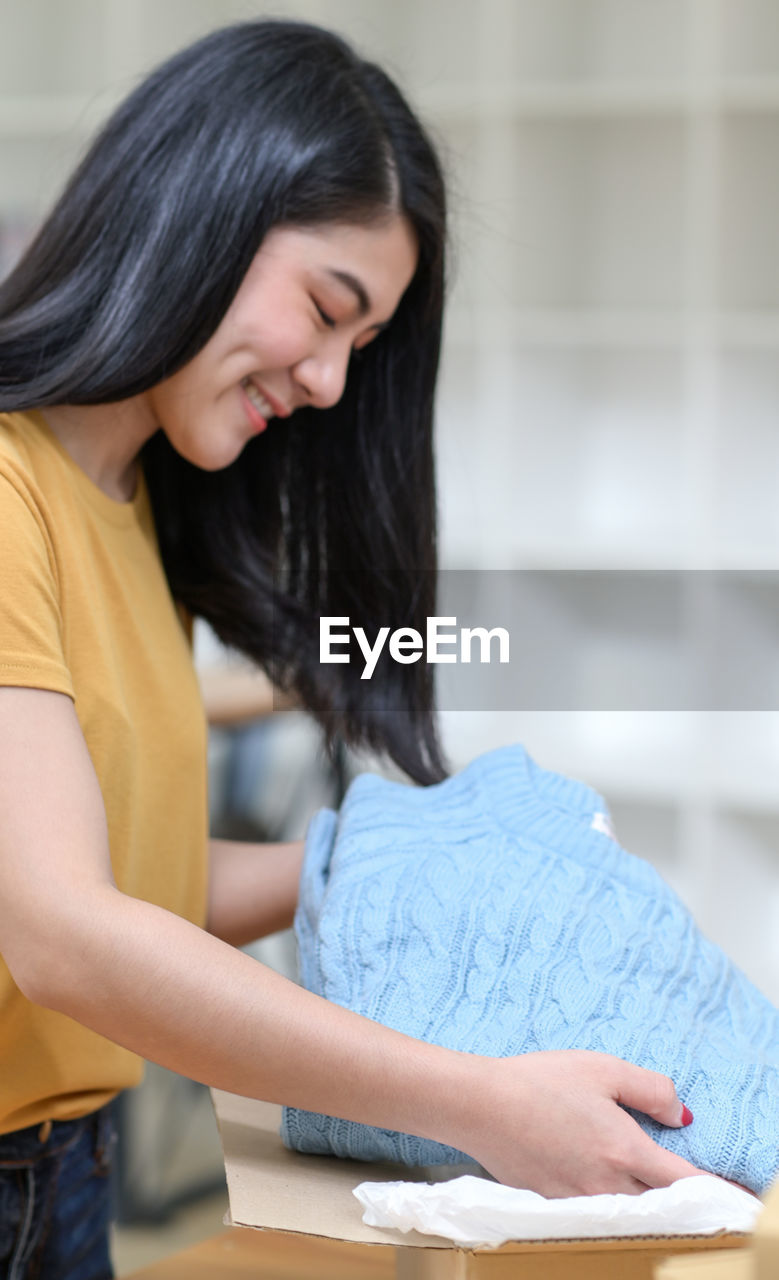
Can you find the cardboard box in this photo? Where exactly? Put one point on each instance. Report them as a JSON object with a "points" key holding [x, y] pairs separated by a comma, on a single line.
{"points": [[273, 1189], [759, 1262], [767, 1238]]}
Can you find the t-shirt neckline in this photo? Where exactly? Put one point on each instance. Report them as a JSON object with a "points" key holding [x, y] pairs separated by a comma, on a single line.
{"points": [[113, 509]]}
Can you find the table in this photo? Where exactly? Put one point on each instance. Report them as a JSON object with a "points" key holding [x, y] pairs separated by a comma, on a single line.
{"points": [[242, 1254]]}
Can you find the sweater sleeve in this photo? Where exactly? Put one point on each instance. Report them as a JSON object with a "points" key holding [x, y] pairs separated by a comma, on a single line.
{"points": [[31, 632]]}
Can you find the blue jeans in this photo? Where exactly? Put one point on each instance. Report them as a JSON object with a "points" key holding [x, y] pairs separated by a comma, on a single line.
{"points": [[55, 1200]]}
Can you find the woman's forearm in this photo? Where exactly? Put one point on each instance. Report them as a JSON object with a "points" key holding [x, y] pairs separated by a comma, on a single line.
{"points": [[179, 997], [168, 991], [252, 889]]}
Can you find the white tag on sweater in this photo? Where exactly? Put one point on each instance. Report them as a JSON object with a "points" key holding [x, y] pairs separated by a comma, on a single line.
{"points": [[602, 822]]}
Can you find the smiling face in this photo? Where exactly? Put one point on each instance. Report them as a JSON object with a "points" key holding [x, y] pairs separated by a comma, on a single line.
{"points": [[309, 299]]}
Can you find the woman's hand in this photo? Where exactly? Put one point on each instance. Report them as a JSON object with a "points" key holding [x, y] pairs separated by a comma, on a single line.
{"points": [[552, 1122]]}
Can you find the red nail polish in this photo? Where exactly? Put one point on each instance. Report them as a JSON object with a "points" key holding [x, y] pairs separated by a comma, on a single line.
{"points": [[686, 1116]]}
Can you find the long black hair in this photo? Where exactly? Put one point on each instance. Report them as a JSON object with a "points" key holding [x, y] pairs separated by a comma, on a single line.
{"points": [[261, 124]]}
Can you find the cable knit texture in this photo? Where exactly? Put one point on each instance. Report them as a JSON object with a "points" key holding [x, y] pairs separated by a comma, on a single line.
{"points": [[492, 913]]}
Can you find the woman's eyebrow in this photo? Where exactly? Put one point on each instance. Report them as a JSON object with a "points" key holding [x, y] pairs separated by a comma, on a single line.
{"points": [[358, 289], [356, 286]]}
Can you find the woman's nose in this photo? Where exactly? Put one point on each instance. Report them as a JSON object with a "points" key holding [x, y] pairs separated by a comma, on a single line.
{"points": [[322, 376]]}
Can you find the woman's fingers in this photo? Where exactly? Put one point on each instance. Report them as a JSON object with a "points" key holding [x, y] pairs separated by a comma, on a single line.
{"points": [[652, 1093], [655, 1095], [657, 1167]]}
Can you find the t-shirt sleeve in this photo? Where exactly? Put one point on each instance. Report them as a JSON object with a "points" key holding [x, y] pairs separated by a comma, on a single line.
{"points": [[31, 648]]}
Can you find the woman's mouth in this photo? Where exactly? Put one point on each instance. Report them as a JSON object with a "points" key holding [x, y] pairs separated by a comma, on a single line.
{"points": [[259, 401], [258, 408]]}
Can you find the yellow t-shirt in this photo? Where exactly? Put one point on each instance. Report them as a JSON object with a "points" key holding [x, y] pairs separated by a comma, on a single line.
{"points": [[85, 610]]}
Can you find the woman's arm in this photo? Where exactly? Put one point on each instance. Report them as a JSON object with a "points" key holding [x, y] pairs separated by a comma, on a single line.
{"points": [[182, 997], [233, 694], [252, 889]]}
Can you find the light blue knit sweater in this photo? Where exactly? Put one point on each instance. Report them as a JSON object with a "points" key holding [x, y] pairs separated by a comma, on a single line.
{"points": [[489, 914]]}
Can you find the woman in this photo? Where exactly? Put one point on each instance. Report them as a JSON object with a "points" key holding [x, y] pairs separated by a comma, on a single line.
{"points": [[257, 234]]}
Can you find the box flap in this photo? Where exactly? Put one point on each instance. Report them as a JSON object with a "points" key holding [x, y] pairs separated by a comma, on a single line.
{"points": [[280, 1190]]}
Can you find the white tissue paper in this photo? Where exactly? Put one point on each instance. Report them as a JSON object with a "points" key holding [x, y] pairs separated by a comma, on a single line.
{"points": [[474, 1212]]}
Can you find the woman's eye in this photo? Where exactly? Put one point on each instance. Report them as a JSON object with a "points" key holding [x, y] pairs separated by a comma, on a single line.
{"points": [[328, 320]]}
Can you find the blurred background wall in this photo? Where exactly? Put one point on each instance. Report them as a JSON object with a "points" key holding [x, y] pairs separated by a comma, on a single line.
{"points": [[610, 388]]}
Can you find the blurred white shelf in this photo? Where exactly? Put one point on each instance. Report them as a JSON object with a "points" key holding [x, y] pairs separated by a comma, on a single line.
{"points": [[561, 99], [749, 328], [760, 93], [552, 100], [587, 551], [745, 556], [592, 553], [33, 116], [585, 327], [602, 327]]}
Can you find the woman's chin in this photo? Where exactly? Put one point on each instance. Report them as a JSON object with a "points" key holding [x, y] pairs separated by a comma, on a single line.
{"points": [[214, 458]]}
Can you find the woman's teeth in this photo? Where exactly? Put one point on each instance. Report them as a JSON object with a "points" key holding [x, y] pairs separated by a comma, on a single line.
{"points": [[258, 400]]}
